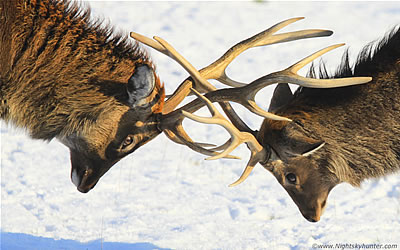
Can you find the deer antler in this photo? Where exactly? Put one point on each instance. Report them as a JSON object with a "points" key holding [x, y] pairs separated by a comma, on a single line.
{"points": [[246, 95], [243, 94], [258, 153], [216, 70]]}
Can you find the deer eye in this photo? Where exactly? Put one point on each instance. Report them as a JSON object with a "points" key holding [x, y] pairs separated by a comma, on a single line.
{"points": [[291, 178], [128, 141]]}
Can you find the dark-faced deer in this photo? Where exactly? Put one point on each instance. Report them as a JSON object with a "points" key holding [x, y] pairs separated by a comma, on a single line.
{"points": [[66, 77], [326, 133]]}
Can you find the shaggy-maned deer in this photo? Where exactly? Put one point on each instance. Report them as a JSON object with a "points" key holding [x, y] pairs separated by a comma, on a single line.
{"points": [[324, 134], [63, 76]]}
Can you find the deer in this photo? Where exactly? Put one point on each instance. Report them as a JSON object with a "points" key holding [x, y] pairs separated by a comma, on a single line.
{"points": [[64, 76], [333, 129]]}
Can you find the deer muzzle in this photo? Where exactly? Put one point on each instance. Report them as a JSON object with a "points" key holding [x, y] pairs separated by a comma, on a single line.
{"points": [[314, 214], [83, 181], [86, 171]]}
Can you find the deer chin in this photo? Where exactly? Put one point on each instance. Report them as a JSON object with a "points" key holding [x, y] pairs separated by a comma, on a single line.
{"points": [[83, 181]]}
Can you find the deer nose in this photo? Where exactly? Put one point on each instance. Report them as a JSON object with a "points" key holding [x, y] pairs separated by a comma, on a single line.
{"points": [[81, 180], [75, 178], [311, 219], [312, 216]]}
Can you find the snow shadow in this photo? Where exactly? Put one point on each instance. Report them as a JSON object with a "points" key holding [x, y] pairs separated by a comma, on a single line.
{"points": [[19, 241]]}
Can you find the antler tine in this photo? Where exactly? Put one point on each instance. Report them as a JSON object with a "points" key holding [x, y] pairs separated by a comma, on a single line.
{"points": [[149, 42], [217, 69], [185, 64], [164, 47], [178, 135], [322, 83], [200, 149], [217, 118], [178, 139], [258, 153]]}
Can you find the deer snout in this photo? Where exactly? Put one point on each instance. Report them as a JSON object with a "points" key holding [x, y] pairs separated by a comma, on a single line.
{"points": [[314, 214], [82, 180], [86, 172]]}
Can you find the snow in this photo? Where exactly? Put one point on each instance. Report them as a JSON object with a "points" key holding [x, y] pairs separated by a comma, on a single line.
{"points": [[166, 196]]}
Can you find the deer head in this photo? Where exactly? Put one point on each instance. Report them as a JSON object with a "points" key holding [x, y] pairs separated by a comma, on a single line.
{"points": [[295, 160], [282, 148], [117, 134]]}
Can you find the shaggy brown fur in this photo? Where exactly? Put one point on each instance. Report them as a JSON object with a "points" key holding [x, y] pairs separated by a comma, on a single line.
{"points": [[65, 76]]}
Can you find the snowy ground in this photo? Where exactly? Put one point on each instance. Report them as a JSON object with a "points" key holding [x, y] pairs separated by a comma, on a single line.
{"points": [[166, 196]]}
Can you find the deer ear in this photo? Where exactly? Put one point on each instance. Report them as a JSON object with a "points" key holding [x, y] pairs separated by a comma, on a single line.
{"points": [[305, 146], [314, 149], [140, 85], [282, 95]]}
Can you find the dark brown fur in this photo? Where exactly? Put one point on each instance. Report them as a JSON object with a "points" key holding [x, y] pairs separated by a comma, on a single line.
{"points": [[64, 76], [359, 125]]}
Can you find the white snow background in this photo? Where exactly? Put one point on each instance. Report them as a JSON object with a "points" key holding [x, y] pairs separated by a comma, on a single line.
{"points": [[166, 196]]}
